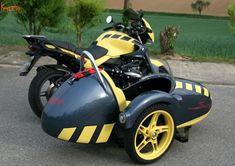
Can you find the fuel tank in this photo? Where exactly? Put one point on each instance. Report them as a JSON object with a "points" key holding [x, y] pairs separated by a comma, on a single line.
{"points": [[117, 43], [81, 112]]}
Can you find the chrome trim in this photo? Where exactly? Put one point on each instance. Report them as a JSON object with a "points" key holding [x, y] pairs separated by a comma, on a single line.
{"points": [[29, 36], [92, 60]]}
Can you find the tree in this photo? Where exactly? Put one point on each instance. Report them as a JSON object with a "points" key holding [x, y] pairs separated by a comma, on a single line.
{"points": [[85, 14], [35, 15], [200, 5], [127, 4], [231, 13], [2, 13]]}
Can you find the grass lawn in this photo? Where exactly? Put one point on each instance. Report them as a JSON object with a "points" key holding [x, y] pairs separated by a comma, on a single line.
{"points": [[203, 39]]}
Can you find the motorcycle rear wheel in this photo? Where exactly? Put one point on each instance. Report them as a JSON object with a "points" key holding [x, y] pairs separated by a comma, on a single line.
{"points": [[39, 93]]}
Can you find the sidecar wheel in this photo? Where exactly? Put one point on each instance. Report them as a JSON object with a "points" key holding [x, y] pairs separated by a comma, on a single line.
{"points": [[151, 135], [40, 89], [118, 136]]}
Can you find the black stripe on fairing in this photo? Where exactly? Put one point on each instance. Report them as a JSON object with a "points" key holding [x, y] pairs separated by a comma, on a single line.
{"points": [[116, 36], [126, 38], [106, 36], [76, 134]]}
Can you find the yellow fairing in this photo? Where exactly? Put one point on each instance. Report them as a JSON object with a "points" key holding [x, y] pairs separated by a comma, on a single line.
{"points": [[63, 50], [192, 87], [105, 133], [86, 134], [66, 133], [98, 62], [156, 62], [115, 44], [50, 46], [151, 34], [120, 97], [193, 122]]}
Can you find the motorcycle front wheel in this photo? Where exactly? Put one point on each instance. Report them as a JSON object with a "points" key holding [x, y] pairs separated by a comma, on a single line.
{"points": [[43, 86]]}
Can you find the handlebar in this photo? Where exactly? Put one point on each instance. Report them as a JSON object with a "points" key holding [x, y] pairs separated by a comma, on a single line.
{"points": [[116, 26], [136, 28], [120, 26]]}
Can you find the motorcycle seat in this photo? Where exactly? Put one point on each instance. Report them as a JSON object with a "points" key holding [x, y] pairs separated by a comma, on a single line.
{"points": [[97, 51], [67, 46]]}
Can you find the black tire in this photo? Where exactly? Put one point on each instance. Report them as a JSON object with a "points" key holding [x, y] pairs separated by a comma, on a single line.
{"points": [[145, 144], [34, 94], [118, 136]]}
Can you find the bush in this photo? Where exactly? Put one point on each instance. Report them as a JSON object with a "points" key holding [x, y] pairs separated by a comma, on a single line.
{"points": [[167, 39], [231, 12], [2, 13]]}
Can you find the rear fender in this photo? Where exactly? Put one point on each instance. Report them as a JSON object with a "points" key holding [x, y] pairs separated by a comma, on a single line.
{"points": [[55, 67], [145, 100], [28, 66]]}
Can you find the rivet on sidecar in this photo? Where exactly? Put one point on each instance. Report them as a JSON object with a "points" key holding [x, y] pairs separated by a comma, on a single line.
{"points": [[122, 118]]}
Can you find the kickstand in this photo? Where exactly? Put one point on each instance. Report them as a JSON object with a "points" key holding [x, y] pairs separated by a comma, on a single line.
{"points": [[182, 136]]}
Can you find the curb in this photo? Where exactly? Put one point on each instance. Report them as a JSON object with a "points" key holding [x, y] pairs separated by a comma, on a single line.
{"points": [[10, 65]]}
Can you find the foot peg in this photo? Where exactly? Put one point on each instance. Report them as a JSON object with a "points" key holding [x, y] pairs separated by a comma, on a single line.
{"points": [[182, 136]]}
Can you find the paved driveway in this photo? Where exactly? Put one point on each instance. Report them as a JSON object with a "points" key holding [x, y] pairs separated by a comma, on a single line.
{"points": [[22, 141]]}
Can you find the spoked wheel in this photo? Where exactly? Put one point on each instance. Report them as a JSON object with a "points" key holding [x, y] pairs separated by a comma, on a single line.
{"points": [[42, 87], [151, 135]]}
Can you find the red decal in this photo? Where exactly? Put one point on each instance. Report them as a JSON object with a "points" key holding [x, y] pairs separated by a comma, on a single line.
{"points": [[78, 75], [86, 72], [201, 105], [56, 101]]}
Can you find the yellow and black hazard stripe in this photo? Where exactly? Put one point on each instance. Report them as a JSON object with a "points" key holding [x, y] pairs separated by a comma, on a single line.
{"points": [[193, 87], [118, 36], [87, 134]]}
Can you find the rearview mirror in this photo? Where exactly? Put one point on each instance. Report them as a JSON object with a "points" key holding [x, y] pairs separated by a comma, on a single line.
{"points": [[141, 13], [109, 19]]}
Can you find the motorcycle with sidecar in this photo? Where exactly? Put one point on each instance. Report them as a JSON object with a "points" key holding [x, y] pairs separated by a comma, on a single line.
{"points": [[147, 107]]}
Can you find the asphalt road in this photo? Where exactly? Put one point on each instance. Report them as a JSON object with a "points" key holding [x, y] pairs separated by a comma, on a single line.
{"points": [[22, 141]]}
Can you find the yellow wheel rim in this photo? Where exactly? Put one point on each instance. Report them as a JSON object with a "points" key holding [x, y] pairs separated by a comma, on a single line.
{"points": [[154, 135]]}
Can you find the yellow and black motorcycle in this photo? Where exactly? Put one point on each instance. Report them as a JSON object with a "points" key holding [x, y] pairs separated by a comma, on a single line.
{"points": [[118, 50], [120, 88]]}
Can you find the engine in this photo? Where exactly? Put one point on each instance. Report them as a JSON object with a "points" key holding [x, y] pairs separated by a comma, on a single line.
{"points": [[126, 72]]}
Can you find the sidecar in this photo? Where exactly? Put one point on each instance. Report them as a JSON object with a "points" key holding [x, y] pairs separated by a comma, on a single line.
{"points": [[88, 107]]}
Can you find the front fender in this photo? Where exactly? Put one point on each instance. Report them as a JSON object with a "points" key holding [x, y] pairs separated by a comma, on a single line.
{"points": [[142, 102]]}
